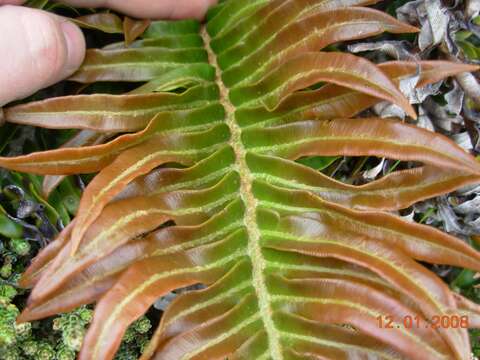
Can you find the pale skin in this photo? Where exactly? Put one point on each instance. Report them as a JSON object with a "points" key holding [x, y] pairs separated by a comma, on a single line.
{"points": [[38, 49]]}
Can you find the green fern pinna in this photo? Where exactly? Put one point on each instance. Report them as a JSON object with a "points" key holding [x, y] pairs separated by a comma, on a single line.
{"points": [[197, 183]]}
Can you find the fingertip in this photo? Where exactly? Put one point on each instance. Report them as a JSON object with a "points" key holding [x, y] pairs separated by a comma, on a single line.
{"points": [[189, 9], [148, 9], [203, 8], [42, 49], [75, 46]]}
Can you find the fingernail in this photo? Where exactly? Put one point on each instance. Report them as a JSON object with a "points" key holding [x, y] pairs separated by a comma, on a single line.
{"points": [[75, 46]]}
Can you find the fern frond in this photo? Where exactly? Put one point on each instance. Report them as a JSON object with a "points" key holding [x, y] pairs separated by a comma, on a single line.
{"points": [[203, 186]]}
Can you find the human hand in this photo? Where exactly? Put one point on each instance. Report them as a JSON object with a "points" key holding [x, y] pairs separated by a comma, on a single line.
{"points": [[38, 49]]}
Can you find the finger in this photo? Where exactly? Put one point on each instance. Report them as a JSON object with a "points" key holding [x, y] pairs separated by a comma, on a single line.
{"points": [[37, 50], [157, 9], [12, 2]]}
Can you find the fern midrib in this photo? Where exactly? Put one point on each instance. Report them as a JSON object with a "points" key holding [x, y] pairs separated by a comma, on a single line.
{"points": [[254, 250]]}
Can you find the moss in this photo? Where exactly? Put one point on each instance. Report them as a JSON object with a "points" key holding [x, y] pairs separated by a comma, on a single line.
{"points": [[21, 237], [135, 339], [8, 331], [30, 347], [20, 246], [64, 353], [45, 351], [38, 341], [142, 326], [6, 270], [10, 354], [7, 292]]}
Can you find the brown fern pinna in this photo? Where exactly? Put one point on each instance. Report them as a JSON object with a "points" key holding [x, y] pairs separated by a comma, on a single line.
{"points": [[200, 185]]}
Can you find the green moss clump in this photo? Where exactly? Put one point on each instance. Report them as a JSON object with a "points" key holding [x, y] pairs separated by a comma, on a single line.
{"points": [[20, 247], [135, 339]]}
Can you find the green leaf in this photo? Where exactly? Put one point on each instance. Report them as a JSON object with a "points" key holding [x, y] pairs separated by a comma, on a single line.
{"points": [[318, 162], [9, 228], [38, 4], [158, 29]]}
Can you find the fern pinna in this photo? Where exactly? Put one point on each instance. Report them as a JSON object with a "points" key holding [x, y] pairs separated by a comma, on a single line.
{"points": [[198, 183]]}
